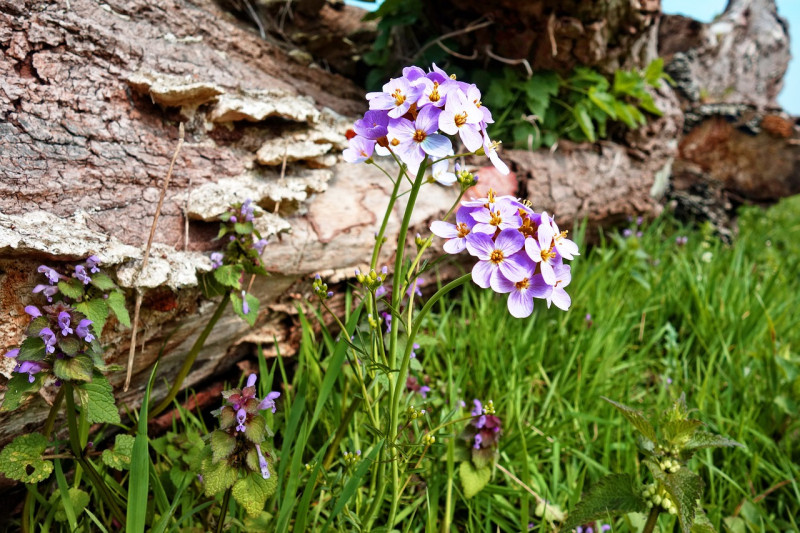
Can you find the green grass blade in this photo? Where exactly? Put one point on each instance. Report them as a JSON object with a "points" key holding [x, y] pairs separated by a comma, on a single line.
{"points": [[96, 521], [63, 489], [140, 467], [352, 484], [161, 526]]}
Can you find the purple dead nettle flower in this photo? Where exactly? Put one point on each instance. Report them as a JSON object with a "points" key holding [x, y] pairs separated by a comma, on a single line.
{"points": [[63, 323], [397, 96], [47, 290], [33, 311], [496, 256], [12, 354], [245, 307], [477, 411], [92, 261], [52, 275], [415, 140], [259, 246], [83, 331], [216, 260], [262, 463], [247, 210], [49, 338], [80, 273], [455, 233], [29, 367]]}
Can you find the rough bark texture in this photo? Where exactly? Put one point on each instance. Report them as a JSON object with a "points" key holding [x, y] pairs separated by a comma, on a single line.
{"points": [[555, 34], [739, 58]]}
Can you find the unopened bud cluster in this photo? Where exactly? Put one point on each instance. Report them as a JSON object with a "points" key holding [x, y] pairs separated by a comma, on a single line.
{"points": [[488, 409], [428, 439], [372, 280], [466, 179], [414, 413], [669, 465], [321, 288], [668, 450], [657, 496], [351, 458]]}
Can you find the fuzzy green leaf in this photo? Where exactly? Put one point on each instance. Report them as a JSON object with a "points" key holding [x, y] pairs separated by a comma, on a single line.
{"points": [[18, 389], [95, 310], [243, 228], [613, 495], [31, 349], [636, 419], [116, 302], [252, 311], [98, 399], [473, 480], [217, 477], [79, 500], [222, 445], [684, 488], [72, 288], [69, 345], [120, 457], [679, 431], [36, 326], [209, 285], [103, 282], [252, 492], [78, 368], [256, 429], [229, 275], [22, 459], [704, 439], [701, 522]]}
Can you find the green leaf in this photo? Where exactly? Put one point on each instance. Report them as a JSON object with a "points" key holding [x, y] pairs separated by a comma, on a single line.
{"points": [[69, 345], [627, 82], [222, 445], [72, 288], [704, 439], [95, 310], [31, 349], [679, 431], [615, 494], [624, 113], [217, 477], [103, 282], [229, 275], [252, 492], [139, 485], [252, 311], [473, 480], [98, 399], [584, 121], [498, 95], [701, 522], [120, 457], [79, 500], [604, 101], [18, 389], [36, 326], [78, 368], [116, 302], [22, 459], [256, 429], [684, 488], [647, 103], [243, 228], [637, 419], [654, 71]]}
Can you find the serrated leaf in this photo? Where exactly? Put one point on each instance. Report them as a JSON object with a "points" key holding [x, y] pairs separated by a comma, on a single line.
{"points": [[229, 275], [473, 480], [636, 419], [243, 228], [222, 445], [701, 522], [98, 399], [252, 492], [613, 495], [69, 345], [256, 429], [31, 349], [209, 285], [22, 459], [103, 282], [116, 302], [584, 121], [654, 71], [704, 439], [684, 488], [95, 310], [679, 431], [18, 389], [217, 477], [72, 288], [120, 457], [36, 326], [604, 101], [77, 497], [78, 368]]}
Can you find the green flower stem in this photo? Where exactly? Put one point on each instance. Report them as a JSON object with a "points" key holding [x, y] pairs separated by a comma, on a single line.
{"points": [[401, 378], [652, 520], [190, 358], [224, 511], [379, 239], [51, 417], [75, 445], [448, 502]]}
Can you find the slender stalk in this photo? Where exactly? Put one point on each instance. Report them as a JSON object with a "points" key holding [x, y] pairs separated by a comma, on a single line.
{"points": [[75, 445], [379, 239], [448, 502], [222, 512], [343, 427], [190, 358], [652, 520], [51, 417]]}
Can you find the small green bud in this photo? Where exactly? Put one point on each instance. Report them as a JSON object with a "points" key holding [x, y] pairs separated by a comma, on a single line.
{"points": [[428, 439], [488, 409]]}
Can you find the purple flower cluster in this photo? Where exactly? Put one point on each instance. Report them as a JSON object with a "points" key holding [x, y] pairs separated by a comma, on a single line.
{"points": [[53, 277], [520, 252], [241, 413], [58, 327], [245, 245], [417, 116]]}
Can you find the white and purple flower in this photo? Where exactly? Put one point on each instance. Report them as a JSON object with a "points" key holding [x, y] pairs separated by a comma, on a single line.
{"points": [[497, 256]]}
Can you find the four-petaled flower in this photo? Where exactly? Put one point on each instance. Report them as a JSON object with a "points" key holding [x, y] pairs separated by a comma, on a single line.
{"points": [[497, 256]]}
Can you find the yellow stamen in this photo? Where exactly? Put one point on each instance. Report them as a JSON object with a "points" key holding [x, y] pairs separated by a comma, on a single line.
{"points": [[461, 119], [462, 229], [434, 97], [395, 142], [495, 219], [496, 257], [399, 97], [419, 136], [521, 285]]}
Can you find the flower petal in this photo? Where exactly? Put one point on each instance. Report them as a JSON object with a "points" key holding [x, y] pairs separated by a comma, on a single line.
{"points": [[482, 274], [520, 304]]}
